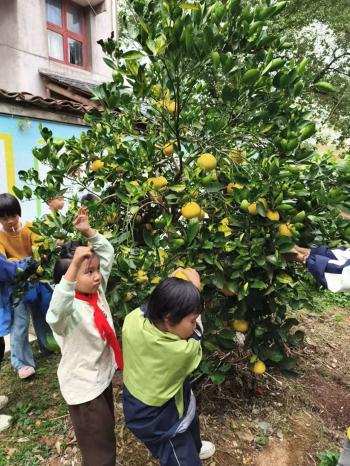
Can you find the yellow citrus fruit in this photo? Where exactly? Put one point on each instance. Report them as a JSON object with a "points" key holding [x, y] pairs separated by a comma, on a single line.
{"points": [[240, 326], [252, 209], [170, 106], [284, 230], [274, 216], [231, 186], [191, 210], [97, 165], [141, 276], [263, 201], [227, 292], [155, 280], [168, 149], [259, 367], [348, 433], [128, 296], [158, 182], [181, 275], [207, 161], [135, 183]]}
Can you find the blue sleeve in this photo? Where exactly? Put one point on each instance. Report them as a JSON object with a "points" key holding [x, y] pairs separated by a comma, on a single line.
{"points": [[330, 269], [325, 252], [8, 270]]}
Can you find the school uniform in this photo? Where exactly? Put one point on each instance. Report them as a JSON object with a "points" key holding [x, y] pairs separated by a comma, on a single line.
{"points": [[88, 361], [159, 406], [330, 267]]}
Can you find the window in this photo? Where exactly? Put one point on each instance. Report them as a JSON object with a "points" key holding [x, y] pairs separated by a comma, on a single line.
{"points": [[66, 32]]}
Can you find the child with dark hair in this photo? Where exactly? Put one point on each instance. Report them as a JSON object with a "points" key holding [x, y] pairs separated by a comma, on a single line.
{"points": [[162, 347], [83, 328], [17, 242], [88, 197]]}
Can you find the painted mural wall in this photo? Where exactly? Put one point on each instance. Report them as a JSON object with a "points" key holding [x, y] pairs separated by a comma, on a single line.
{"points": [[18, 136]]}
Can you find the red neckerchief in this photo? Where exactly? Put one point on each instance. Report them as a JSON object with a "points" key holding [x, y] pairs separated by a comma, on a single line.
{"points": [[103, 327]]}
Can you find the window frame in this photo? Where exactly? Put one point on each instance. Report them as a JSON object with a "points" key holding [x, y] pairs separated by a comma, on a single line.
{"points": [[67, 34]]}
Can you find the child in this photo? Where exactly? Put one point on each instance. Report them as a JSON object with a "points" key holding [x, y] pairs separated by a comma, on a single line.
{"points": [[330, 267], [83, 327], [56, 204], [161, 347], [17, 242]]}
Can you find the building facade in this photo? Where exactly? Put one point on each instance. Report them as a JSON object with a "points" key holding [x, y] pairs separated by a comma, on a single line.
{"points": [[50, 61], [57, 37]]}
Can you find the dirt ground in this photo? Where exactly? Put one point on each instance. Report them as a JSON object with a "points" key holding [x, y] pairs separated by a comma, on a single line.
{"points": [[271, 421]]}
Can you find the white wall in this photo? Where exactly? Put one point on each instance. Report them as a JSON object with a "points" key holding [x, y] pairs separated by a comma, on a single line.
{"points": [[24, 49]]}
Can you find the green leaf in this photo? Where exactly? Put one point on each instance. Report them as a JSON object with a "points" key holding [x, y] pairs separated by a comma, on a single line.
{"points": [[177, 188], [218, 280], [308, 131], [274, 65], [285, 247], [218, 378], [189, 6], [192, 230], [110, 63], [323, 86], [132, 55], [148, 238], [284, 278], [251, 76], [258, 284], [17, 192]]}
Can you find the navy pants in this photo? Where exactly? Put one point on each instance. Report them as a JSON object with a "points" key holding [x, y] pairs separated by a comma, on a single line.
{"points": [[181, 450]]}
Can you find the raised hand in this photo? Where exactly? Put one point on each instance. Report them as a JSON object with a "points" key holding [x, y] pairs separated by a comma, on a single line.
{"points": [[82, 224]]}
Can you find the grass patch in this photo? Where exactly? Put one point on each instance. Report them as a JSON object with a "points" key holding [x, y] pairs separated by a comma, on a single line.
{"points": [[37, 408]]}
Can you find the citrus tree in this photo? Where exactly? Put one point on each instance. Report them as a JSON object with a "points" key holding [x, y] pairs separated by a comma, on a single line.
{"points": [[200, 158]]}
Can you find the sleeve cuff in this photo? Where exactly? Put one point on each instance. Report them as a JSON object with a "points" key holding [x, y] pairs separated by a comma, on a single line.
{"points": [[94, 239]]}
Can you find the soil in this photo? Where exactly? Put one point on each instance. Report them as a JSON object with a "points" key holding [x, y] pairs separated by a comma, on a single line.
{"points": [[270, 420]]}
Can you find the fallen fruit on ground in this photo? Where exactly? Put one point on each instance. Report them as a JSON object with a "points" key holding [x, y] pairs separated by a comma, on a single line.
{"points": [[259, 368]]}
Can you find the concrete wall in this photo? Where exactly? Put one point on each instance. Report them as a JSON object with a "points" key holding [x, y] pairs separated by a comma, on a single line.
{"points": [[24, 48]]}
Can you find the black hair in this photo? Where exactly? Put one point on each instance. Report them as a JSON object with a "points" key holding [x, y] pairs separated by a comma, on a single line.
{"points": [[174, 299], [88, 197], [9, 205], [64, 259]]}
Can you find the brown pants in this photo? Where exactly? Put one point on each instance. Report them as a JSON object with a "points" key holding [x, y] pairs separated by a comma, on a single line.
{"points": [[93, 424]]}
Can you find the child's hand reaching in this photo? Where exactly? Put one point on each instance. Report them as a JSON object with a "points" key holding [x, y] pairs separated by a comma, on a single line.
{"points": [[297, 254], [82, 224], [82, 253]]}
